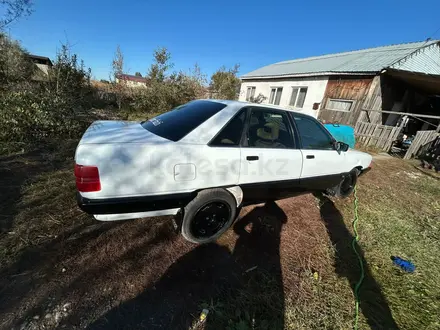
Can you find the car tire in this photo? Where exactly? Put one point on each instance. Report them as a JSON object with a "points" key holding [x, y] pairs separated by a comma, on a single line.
{"points": [[208, 215], [346, 187]]}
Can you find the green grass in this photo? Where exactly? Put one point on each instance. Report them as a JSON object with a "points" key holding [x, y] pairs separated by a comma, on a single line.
{"points": [[400, 215]]}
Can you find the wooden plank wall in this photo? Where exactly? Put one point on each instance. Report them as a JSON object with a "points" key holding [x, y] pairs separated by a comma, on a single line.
{"points": [[422, 138], [346, 88], [380, 136], [373, 101], [384, 92]]}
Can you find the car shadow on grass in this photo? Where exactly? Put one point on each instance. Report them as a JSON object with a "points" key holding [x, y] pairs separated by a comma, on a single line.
{"points": [[40, 226], [373, 304], [38, 265], [240, 289], [20, 169]]}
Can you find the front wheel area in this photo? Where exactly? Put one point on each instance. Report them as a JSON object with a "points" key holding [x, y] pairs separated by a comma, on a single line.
{"points": [[346, 187], [208, 215]]}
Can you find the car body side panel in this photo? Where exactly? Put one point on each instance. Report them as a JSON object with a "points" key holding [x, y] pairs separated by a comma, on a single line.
{"points": [[267, 165], [322, 182], [135, 215], [142, 172], [254, 192], [137, 169], [323, 162], [263, 191], [355, 158], [328, 167]]}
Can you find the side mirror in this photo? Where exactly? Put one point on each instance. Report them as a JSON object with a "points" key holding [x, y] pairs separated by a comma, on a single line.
{"points": [[341, 146]]}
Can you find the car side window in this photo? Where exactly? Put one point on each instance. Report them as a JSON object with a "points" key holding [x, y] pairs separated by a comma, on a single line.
{"points": [[269, 129], [230, 135], [312, 134]]}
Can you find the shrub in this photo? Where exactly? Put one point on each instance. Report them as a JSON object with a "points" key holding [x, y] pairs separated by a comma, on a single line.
{"points": [[225, 84], [29, 116], [15, 66], [35, 110]]}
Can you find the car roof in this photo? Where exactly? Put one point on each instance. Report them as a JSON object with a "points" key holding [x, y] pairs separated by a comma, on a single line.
{"points": [[261, 105]]}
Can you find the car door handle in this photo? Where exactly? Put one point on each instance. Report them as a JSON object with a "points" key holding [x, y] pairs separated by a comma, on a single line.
{"points": [[252, 157], [310, 157]]}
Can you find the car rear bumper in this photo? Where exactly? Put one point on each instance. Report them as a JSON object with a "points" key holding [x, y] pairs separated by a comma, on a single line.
{"points": [[133, 204]]}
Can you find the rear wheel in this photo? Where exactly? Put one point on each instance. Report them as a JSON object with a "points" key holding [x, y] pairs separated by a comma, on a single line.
{"points": [[208, 215]]}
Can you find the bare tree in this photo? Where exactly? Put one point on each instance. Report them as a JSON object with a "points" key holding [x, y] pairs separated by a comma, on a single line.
{"points": [[198, 80], [119, 84], [118, 63], [12, 10]]}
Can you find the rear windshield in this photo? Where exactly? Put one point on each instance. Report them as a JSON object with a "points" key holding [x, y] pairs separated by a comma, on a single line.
{"points": [[177, 123]]}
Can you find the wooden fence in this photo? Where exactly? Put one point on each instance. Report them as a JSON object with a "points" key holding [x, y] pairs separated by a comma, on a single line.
{"points": [[380, 136], [421, 139]]}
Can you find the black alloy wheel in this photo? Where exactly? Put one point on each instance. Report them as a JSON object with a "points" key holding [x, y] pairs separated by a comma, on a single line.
{"points": [[210, 219], [347, 185]]}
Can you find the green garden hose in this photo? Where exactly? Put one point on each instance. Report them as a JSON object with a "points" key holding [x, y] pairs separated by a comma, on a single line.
{"points": [[354, 244]]}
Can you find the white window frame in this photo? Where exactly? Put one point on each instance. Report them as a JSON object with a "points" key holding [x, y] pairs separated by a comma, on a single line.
{"points": [[297, 95], [275, 94], [341, 100], [250, 92]]}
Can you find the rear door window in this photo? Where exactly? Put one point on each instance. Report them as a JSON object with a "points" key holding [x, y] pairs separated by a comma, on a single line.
{"points": [[230, 135], [177, 123]]}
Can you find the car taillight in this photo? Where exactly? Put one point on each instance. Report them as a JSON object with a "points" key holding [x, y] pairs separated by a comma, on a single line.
{"points": [[87, 178]]}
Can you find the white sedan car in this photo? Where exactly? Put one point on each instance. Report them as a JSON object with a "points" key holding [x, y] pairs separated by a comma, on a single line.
{"points": [[206, 159]]}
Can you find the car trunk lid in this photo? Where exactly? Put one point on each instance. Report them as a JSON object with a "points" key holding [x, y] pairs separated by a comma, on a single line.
{"points": [[113, 131]]}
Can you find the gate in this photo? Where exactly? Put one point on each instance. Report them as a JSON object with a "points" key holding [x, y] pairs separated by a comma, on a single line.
{"points": [[379, 136]]}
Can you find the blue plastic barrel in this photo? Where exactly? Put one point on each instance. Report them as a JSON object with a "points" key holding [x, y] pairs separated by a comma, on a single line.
{"points": [[342, 133]]}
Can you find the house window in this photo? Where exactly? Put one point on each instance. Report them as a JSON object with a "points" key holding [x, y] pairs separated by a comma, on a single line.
{"points": [[298, 97], [250, 93], [275, 95], [340, 105]]}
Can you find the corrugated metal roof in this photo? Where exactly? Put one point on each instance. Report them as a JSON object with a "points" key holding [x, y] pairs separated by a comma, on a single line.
{"points": [[363, 61], [425, 60]]}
